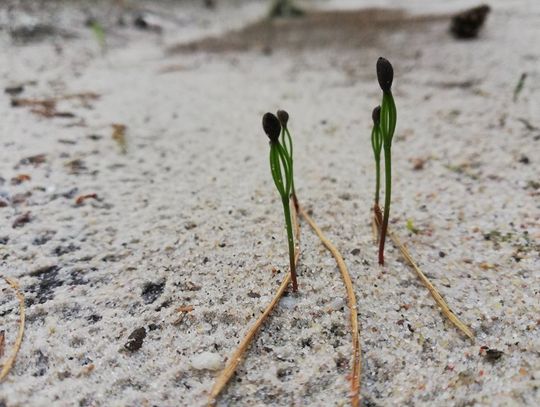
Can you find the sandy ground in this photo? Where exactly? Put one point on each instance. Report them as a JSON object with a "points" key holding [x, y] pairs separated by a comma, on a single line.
{"points": [[185, 212]]}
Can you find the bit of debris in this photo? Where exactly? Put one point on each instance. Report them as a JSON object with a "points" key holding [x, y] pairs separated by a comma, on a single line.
{"points": [[14, 90], [8, 364], [36, 32], [410, 227], [524, 159], [467, 24], [81, 198], [284, 9], [152, 291], [119, 135], [2, 342], [76, 166], [147, 23], [183, 310], [86, 370], [135, 340], [21, 220], [34, 160], [519, 86], [19, 179], [418, 164], [206, 361], [527, 124], [47, 107], [491, 355]]}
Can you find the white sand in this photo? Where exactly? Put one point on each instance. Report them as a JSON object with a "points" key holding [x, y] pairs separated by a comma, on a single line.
{"points": [[191, 210]]}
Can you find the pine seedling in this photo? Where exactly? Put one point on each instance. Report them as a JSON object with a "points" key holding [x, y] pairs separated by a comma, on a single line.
{"points": [[388, 117], [376, 144], [281, 168]]}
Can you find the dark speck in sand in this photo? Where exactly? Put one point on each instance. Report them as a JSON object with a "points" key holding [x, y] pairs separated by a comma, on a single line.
{"points": [[152, 291], [135, 340]]}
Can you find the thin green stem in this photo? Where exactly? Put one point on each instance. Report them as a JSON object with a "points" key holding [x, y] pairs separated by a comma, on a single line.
{"points": [[377, 181], [388, 126], [288, 223], [387, 200]]}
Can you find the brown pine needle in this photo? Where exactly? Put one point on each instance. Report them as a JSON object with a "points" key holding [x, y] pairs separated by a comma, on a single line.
{"points": [[351, 300], [445, 309], [11, 360], [227, 373]]}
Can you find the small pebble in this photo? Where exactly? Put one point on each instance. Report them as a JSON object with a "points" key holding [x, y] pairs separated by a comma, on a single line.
{"points": [[206, 361], [135, 340]]}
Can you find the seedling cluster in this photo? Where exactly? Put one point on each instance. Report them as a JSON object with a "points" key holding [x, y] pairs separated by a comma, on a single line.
{"points": [[281, 166]]}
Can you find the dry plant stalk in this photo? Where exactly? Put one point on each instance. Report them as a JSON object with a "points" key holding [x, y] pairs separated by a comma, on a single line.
{"points": [[11, 360], [445, 309], [351, 301], [227, 373]]}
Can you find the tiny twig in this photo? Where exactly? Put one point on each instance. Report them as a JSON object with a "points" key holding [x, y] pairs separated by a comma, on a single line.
{"points": [[445, 309], [351, 301], [11, 360]]}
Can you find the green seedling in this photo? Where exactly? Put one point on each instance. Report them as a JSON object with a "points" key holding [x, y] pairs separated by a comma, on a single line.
{"points": [[281, 168], [519, 86], [410, 227], [376, 144], [285, 9], [99, 34], [388, 117]]}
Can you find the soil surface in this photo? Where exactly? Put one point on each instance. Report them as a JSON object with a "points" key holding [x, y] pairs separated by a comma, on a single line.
{"points": [[139, 216]]}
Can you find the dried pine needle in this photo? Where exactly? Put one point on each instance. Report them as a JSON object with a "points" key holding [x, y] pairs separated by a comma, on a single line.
{"points": [[445, 309], [11, 360], [351, 301]]}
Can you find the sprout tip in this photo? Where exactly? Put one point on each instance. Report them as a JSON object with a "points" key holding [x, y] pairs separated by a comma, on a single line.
{"points": [[376, 115], [385, 74], [283, 117], [271, 127]]}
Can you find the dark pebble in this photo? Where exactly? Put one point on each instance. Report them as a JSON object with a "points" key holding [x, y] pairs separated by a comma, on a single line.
{"points": [[467, 24], [21, 220], [94, 318], [493, 354], [135, 340], [14, 90], [152, 291]]}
